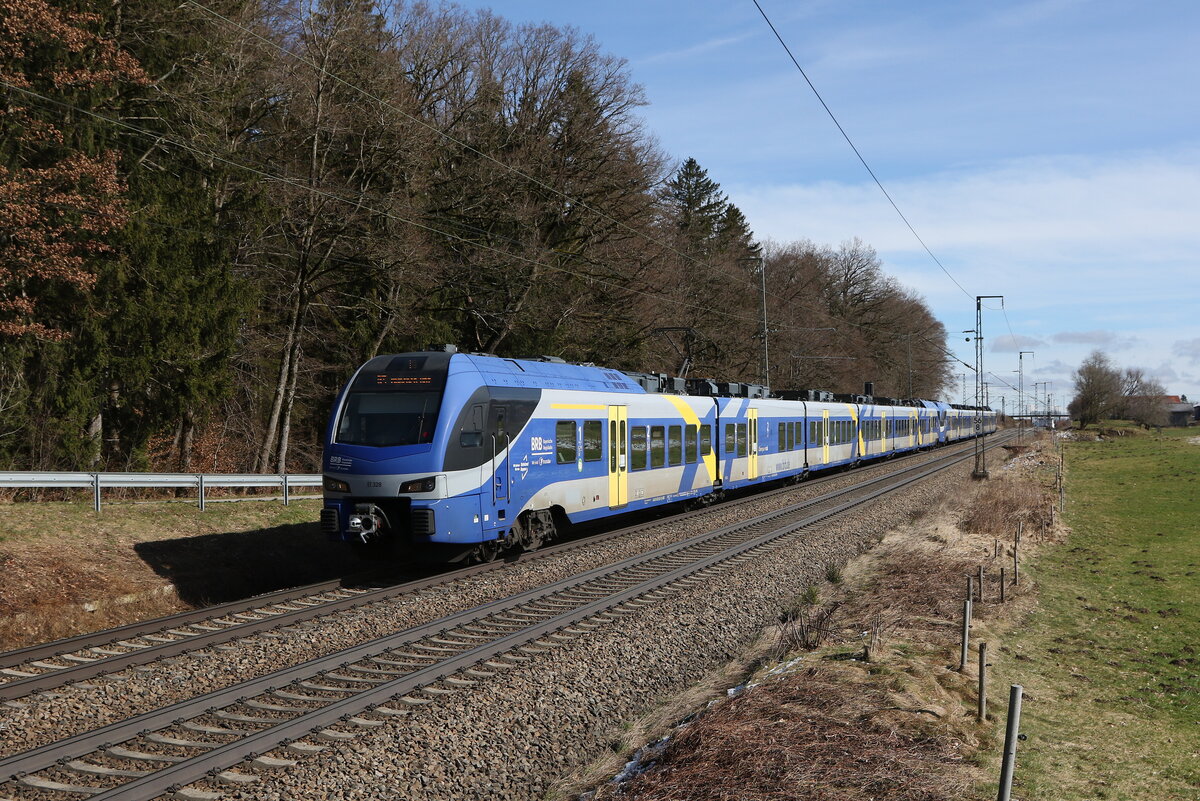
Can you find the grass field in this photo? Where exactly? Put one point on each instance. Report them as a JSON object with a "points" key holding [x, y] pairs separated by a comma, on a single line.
{"points": [[1109, 660]]}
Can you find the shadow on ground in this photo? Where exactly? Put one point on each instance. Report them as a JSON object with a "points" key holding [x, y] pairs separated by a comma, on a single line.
{"points": [[215, 568]]}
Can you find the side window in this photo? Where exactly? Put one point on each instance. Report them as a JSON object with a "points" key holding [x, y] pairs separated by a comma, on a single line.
{"points": [[472, 436], [564, 439], [705, 439], [789, 437], [742, 449], [658, 450], [612, 446], [730, 439], [593, 445], [675, 445], [689, 444], [637, 448]]}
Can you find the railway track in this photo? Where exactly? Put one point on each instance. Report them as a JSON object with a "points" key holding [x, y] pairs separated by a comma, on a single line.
{"points": [[55, 664], [267, 721]]}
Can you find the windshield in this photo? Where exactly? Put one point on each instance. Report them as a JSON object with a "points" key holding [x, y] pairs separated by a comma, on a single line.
{"points": [[388, 418]]}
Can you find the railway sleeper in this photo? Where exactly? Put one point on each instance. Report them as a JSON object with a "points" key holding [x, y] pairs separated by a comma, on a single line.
{"points": [[39, 783], [142, 756], [79, 766], [253, 704], [236, 778], [163, 739]]}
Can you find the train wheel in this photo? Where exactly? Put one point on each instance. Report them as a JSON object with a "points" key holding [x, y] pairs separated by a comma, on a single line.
{"points": [[484, 552]]}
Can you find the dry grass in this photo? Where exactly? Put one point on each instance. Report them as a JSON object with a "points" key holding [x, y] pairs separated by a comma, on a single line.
{"points": [[900, 726], [813, 735], [67, 570]]}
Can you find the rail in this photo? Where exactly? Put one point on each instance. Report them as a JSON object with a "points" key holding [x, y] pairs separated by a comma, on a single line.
{"points": [[198, 481]]}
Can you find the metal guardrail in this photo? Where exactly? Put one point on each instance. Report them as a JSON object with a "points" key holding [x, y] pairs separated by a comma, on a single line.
{"points": [[199, 481]]}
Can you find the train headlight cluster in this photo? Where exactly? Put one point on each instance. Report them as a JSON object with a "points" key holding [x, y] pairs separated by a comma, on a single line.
{"points": [[336, 485], [419, 485]]}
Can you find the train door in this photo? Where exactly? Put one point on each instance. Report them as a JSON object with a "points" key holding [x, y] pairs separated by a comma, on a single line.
{"points": [[752, 463], [825, 436], [500, 444], [883, 432], [618, 458]]}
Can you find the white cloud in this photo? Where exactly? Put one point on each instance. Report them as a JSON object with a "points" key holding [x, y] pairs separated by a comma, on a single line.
{"points": [[1012, 343], [1189, 350], [1109, 340], [700, 48]]}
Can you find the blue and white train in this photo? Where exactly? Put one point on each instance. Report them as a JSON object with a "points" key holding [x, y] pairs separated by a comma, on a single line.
{"points": [[471, 454]]}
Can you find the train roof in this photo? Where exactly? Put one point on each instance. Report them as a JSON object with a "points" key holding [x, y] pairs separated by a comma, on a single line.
{"points": [[550, 372]]}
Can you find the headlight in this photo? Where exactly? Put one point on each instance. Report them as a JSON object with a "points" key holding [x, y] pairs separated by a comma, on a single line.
{"points": [[336, 485], [419, 485]]}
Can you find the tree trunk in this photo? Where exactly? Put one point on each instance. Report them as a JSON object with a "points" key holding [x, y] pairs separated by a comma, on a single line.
{"points": [[289, 346], [286, 427], [187, 430]]}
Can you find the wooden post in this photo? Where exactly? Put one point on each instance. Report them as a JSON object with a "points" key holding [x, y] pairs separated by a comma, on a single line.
{"points": [[1020, 530], [1010, 742], [981, 712], [966, 635], [1016, 569], [979, 592], [1002, 571]]}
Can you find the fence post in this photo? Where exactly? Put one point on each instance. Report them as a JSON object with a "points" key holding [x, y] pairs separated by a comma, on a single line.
{"points": [[96, 491], [1002, 577], [966, 635], [1010, 742], [285, 489], [200, 481], [981, 713], [979, 591]]}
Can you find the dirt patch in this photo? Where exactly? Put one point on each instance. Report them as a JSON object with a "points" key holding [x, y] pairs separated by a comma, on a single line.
{"points": [[68, 570]]}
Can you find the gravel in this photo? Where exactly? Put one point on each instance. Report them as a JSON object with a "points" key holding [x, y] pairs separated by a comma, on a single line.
{"points": [[513, 733]]}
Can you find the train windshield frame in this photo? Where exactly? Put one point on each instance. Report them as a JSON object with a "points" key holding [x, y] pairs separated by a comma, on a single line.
{"points": [[393, 406], [387, 419]]}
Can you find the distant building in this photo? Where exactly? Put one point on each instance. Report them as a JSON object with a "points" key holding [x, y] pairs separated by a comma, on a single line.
{"points": [[1179, 414]]}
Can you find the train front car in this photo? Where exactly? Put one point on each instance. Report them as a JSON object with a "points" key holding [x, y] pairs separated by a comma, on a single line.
{"points": [[462, 455], [385, 472]]}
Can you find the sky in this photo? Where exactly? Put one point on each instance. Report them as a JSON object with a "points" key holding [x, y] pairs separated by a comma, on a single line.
{"points": [[1047, 151]]}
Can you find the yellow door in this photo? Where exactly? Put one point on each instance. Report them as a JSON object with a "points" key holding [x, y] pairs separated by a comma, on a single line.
{"points": [[752, 462], [825, 436], [883, 431], [618, 458]]}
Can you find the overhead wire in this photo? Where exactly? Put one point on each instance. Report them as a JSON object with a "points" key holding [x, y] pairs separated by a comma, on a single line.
{"points": [[306, 186], [853, 147]]}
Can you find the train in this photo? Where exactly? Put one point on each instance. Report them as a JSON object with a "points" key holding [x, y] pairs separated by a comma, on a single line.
{"points": [[464, 456]]}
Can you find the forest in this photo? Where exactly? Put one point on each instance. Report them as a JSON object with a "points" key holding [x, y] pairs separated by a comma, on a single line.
{"points": [[212, 212]]}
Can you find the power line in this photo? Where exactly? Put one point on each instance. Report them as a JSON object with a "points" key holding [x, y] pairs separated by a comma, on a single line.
{"points": [[846, 136], [641, 234], [451, 138]]}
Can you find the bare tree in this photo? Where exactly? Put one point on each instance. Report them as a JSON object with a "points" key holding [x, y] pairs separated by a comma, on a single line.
{"points": [[1097, 390], [1143, 399]]}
